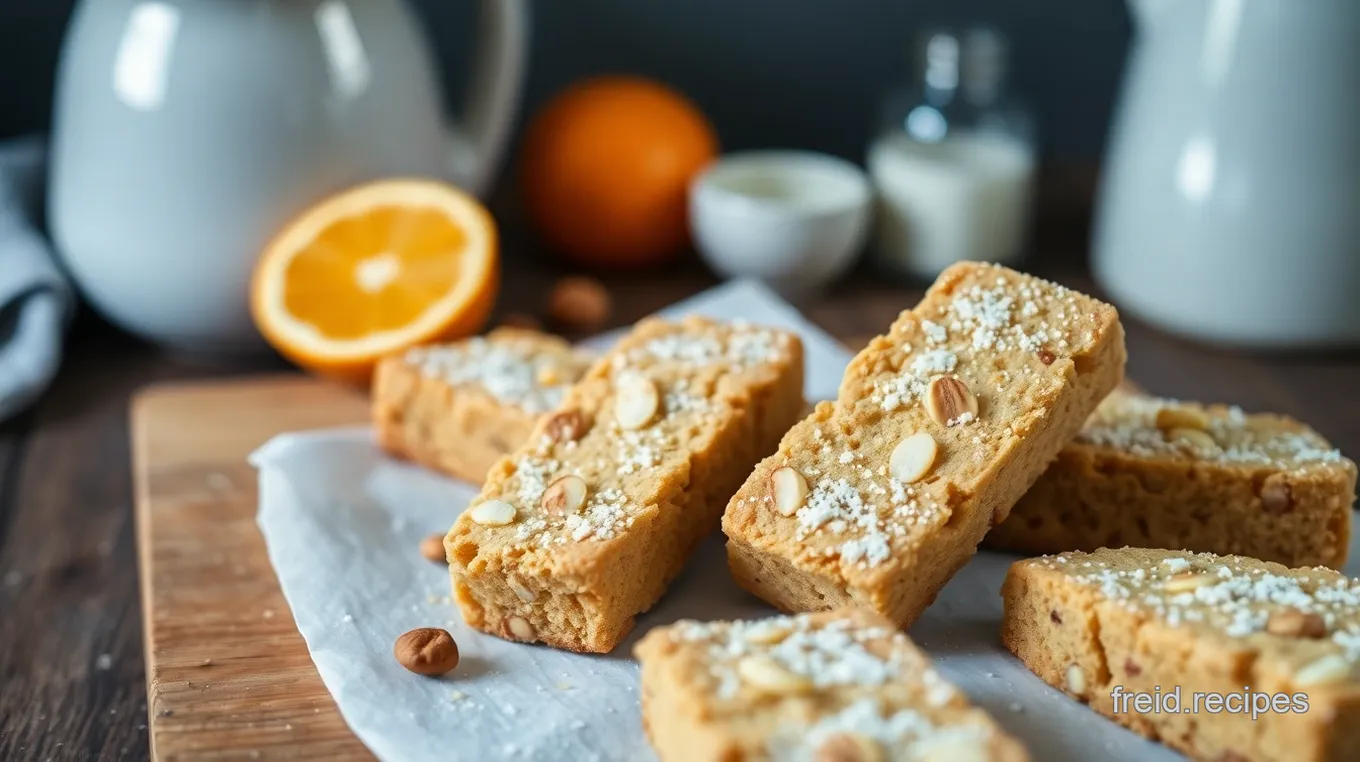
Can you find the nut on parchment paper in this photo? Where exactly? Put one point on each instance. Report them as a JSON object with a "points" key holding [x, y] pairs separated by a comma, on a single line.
{"points": [[432, 548], [580, 304], [427, 651]]}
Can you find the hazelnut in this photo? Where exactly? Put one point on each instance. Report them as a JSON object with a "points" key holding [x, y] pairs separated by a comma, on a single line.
{"points": [[580, 304], [521, 320], [566, 426], [432, 547], [1276, 498], [949, 402], [427, 651], [1293, 623]]}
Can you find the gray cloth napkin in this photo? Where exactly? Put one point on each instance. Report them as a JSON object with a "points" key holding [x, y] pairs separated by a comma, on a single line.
{"points": [[35, 298]]}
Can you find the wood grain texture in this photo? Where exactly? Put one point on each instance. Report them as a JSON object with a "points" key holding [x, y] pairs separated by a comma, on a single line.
{"points": [[228, 675], [71, 676]]}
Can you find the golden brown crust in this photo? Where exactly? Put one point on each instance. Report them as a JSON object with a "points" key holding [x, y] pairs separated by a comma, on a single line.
{"points": [[1037, 358], [1266, 487], [802, 687], [458, 408], [656, 479], [1157, 621]]}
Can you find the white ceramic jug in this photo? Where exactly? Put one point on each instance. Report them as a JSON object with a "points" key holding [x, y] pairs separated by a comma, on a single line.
{"points": [[187, 132], [1230, 206]]}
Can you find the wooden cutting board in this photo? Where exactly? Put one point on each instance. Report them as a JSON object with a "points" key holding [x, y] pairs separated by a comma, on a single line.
{"points": [[228, 676]]}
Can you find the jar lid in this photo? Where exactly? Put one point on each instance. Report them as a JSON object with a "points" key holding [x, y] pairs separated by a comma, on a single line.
{"points": [[973, 61]]}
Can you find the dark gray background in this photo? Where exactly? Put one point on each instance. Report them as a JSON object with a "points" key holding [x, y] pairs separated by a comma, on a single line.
{"points": [[770, 73]]}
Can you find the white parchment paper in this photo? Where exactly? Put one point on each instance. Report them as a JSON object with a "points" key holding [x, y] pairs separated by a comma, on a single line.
{"points": [[342, 523]]}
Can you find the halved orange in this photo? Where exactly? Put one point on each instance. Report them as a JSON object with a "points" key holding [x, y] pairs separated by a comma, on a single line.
{"points": [[375, 270]]}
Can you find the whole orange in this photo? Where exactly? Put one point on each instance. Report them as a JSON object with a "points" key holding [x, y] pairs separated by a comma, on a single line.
{"points": [[605, 168]]}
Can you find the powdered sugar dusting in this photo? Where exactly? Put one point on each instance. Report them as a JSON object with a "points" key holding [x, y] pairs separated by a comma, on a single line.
{"points": [[1229, 594], [980, 322], [602, 518], [830, 654], [837, 654], [613, 460], [511, 371], [992, 319], [741, 346], [1128, 422], [933, 362], [914, 733], [861, 535]]}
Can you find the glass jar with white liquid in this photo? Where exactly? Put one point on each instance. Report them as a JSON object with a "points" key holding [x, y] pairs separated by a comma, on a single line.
{"points": [[953, 165]]}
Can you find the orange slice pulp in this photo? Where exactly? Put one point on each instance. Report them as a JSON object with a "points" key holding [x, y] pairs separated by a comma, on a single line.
{"points": [[375, 270]]}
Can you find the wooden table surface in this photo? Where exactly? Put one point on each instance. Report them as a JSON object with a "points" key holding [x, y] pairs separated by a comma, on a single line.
{"points": [[71, 673]]}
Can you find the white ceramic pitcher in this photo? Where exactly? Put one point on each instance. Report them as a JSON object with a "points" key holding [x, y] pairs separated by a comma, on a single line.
{"points": [[187, 132], [1230, 206]]}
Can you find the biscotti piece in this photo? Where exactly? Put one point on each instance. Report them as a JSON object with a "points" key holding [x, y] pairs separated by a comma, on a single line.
{"points": [[1105, 625], [842, 686], [583, 528], [458, 408], [1158, 473], [939, 427]]}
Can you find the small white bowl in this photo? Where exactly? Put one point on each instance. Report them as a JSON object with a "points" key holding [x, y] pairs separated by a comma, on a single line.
{"points": [[794, 219]]}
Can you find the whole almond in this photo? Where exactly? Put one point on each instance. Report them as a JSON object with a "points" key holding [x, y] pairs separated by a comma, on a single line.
{"points": [[913, 457], [1196, 438], [1076, 680], [520, 628], [580, 304], [427, 651], [493, 513], [950, 402], [566, 426], [564, 496], [789, 489], [432, 547], [766, 675], [636, 400], [1186, 582], [1293, 623], [522, 592], [1327, 670], [1169, 418]]}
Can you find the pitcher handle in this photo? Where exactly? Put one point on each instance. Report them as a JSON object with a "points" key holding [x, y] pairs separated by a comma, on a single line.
{"points": [[497, 79]]}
